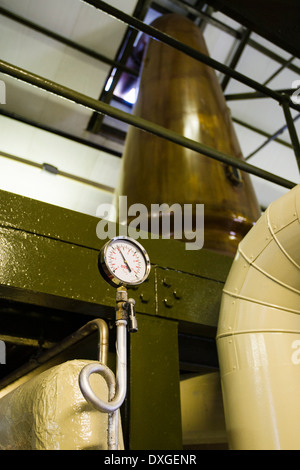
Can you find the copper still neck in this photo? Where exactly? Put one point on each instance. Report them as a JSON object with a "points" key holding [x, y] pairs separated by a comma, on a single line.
{"points": [[184, 95]]}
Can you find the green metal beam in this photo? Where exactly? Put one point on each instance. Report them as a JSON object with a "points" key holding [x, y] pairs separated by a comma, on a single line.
{"points": [[49, 257], [188, 298], [155, 417]]}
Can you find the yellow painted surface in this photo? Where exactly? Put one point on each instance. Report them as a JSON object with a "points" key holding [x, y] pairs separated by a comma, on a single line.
{"points": [[202, 410], [49, 412]]}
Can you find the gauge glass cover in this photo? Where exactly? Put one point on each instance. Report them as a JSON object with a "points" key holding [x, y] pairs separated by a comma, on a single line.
{"points": [[124, 261]]}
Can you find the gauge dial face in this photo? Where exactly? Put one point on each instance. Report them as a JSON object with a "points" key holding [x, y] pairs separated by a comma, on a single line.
{"points": [[124, 262]]}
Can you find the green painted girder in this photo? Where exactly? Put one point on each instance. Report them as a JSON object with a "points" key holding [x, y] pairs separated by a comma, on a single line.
{"points": [[154, 391], [49, 257]]}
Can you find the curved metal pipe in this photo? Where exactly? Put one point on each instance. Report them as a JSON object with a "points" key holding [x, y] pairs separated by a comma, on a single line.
{"points": [[95, 324], [117, 387], [258, 337], [116, 397], [91, 397]]}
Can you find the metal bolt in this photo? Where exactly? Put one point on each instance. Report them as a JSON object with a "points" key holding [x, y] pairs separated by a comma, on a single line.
{"points": [[177, 294], [168, 302], [166, 282], [144, 298]]}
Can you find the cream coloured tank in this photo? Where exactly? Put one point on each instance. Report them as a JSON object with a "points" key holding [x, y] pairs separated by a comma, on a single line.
{"points": [[49, 412]]}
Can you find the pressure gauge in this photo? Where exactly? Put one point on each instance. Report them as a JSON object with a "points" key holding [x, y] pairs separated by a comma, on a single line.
{"points": [[124, 261]]}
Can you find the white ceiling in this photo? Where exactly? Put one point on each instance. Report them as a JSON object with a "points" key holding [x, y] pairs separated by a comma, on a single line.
{"points": [[76, 20]]}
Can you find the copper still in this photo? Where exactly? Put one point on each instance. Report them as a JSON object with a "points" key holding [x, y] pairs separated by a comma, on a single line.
{"points": [[184, 95]]}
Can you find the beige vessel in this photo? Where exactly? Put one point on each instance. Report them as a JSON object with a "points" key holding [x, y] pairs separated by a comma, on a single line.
{"points": [[259, 333]]}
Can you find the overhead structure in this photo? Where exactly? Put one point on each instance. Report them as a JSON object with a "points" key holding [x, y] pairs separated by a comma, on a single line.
{"points": [[186, 152]]}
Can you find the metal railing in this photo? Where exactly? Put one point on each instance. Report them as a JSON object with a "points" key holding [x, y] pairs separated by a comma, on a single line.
{"points": [[282, 98]]}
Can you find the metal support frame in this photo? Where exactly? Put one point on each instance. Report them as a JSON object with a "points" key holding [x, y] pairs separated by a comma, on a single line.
{"points": [[282, 67], [272, 138], [254, 95], [166, 39], [137, 24], [237, 55], [56, 171], [35, 239], [154, 391], [261, 132], [228, 71], [163, 335], [205, 16], [136, 121], [123, 54], [59, 132], [291, 128]]}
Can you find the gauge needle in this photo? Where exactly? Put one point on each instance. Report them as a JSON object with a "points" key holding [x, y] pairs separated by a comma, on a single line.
{"points": [[124, 260]]}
